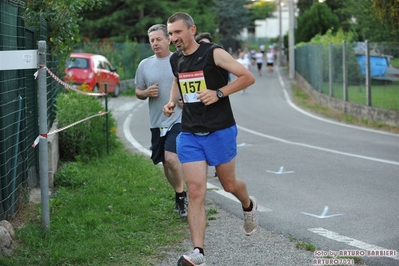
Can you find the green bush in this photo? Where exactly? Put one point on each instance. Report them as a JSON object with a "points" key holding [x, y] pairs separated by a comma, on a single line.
{"points": [[88, 139], [69, 176]]}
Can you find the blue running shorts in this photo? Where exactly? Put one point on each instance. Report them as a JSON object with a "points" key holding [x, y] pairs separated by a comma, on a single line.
{"points": [[216, 148]]}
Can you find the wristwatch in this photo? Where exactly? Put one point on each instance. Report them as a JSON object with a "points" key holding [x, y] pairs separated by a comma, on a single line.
{"points": [[220, 94]]}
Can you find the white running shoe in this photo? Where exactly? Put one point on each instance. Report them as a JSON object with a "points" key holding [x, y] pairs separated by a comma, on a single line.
{"points": [[193, 259], [250, 218]]}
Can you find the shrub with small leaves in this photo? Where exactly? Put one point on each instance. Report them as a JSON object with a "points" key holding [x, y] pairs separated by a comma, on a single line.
{"points": [[69, 176], [87, 139]]}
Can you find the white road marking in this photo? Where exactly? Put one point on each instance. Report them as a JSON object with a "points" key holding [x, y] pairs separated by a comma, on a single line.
{"points": [[128, 134], [316, 147], [347, 240], [323, 214], [280, 172]]}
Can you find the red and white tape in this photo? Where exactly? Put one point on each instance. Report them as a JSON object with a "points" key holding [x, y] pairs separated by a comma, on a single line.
{"points": [[44, 136], [66, 85]]}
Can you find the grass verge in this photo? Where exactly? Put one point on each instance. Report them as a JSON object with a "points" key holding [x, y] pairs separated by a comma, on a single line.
{"points": [[116, 210]]}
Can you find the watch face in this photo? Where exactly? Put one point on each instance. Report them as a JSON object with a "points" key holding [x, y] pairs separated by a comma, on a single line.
{"points": [[220, 94]]}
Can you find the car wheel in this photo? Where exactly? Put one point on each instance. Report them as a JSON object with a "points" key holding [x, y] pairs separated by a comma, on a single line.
{"points": [[117, 91]]}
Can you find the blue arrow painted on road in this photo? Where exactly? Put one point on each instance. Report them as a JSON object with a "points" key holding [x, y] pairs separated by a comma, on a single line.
{"points": [[281, 172], [323, 215]]}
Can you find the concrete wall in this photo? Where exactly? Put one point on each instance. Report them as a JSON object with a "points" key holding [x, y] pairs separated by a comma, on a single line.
{"points": [[388, 117]]}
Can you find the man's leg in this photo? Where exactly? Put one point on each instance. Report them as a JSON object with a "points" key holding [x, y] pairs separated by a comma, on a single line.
{"points": [[174, 174], [173, 171], [226, 174], [195, 177], [227, 177]]}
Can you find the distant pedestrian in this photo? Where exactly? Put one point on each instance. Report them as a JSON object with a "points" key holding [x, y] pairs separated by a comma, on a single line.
{"points": [[244, 60], [262, 48], [270, 60], [259, 58]]}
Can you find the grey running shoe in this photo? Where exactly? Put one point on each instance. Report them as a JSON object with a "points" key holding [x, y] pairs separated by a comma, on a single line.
{"points": [[193, 259], [250, 218], [183, 207]]}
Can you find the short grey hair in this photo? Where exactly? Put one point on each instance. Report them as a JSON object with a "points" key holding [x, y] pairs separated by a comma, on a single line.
{"points": [[187, 19], [159, 27]]}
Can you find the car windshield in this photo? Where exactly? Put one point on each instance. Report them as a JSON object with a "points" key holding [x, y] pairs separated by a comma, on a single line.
{"points": [[78, 63]]}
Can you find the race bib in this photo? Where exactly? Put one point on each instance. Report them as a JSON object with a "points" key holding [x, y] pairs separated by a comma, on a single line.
{"points": [[190, 84]]}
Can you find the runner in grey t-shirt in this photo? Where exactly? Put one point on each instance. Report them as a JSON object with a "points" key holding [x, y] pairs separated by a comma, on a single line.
{"points": [[153, 80]]}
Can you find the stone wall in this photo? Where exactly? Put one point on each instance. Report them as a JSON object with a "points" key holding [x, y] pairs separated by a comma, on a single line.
{"points": [[388, 117]]}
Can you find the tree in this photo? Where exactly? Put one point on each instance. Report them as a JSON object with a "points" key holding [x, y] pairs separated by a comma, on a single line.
{"points": [[365, 21], [388, 12], [119, 20], [62, 17], [260, 10], [232, 18], [316, 20], [304, 5]]}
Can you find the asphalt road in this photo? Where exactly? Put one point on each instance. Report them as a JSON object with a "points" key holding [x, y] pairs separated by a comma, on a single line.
{"points": [[326, 183]]}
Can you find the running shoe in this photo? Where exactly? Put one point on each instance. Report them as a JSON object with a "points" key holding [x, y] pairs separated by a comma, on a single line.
{"points": [[183, 206], [250, 218], [193, 259]]}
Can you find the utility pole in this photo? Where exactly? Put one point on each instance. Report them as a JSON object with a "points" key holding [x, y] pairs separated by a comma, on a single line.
{"points": [[291, 40], [280, 39]]}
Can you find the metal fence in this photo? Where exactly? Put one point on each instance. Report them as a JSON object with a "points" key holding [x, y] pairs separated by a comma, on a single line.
{"points": [[356, 72], [19, 110]]}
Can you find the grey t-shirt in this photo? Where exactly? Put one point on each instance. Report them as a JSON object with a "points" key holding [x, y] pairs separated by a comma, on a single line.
{"points": [[154, 70]]}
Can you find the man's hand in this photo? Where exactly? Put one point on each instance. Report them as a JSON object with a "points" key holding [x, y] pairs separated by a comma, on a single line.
{"points": [[169, 109], [208, 97], [152, 91], [180, 102]]}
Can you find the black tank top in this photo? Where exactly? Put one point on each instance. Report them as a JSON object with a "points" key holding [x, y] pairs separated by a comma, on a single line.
{"points": [[197, 117]]}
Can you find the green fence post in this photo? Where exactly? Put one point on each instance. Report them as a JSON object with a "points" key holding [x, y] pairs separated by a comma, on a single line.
{"points": [[106, 116]]}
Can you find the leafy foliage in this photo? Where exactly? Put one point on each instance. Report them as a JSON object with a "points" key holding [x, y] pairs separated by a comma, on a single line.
{"points": [[69, 176], [388, 11], [368, 24], [374, 20], [85, 140], [317, 20], [120, 20], [232, 17], [261, 10], [62, 18]]}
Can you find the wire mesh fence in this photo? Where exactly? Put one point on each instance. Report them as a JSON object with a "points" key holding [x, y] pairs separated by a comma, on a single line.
{"points": [[362, 73], [18, 110]]}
